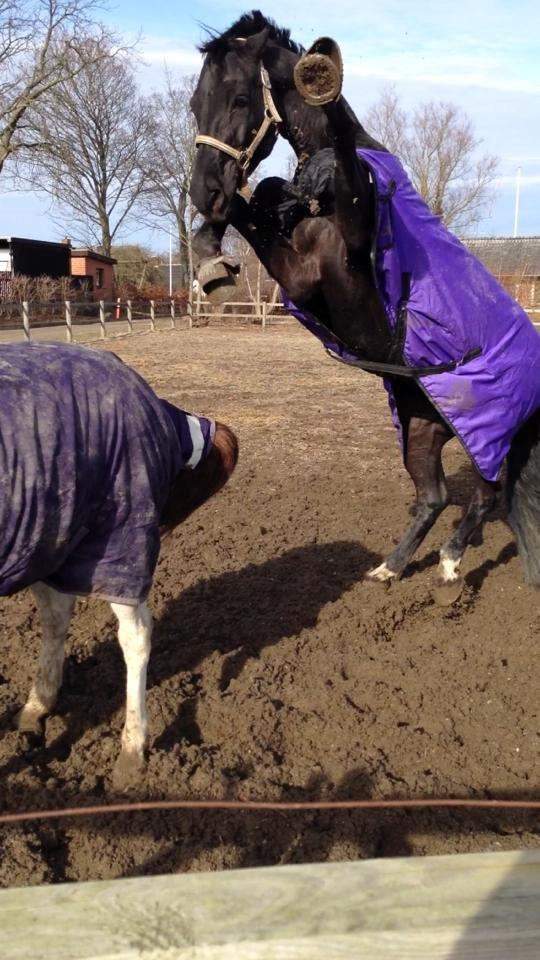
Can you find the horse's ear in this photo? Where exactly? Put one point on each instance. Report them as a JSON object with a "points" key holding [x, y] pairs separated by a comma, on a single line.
{"points": [[253, 46]]}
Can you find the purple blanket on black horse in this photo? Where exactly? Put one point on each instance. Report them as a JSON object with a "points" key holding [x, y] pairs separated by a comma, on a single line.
{"points": [[454, 308], [88, 456]]}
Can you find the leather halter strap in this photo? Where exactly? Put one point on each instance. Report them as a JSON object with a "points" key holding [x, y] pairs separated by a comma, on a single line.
{"points": [[271, 116]]}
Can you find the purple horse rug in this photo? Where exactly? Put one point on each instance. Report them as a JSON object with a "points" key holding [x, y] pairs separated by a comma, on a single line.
{"points": [[447, 311], [88, 456]]}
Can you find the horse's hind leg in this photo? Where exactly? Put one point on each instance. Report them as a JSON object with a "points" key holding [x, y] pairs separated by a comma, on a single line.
{"points": [[424, 443], [451, 554], [55, 611], [134, 636]]}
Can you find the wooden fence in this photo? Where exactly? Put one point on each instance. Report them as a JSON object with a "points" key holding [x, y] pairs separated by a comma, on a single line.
{"points": [[83, 322], [262, 313], [458, 907], [87, 321]]}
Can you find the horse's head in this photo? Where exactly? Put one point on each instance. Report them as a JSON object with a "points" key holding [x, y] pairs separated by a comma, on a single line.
{"points": [[235, 112]]}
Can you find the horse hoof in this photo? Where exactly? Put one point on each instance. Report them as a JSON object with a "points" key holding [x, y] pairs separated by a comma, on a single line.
{"points": [[318, 75], [128, 771], [446, 592], [31, 724], [381, 574], [216, 276]]}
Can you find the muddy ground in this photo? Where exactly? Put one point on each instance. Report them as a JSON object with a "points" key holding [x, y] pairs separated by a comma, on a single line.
{"points": [[277, 672]]}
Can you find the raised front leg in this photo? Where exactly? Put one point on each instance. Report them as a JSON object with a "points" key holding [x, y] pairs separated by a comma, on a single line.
{"points": [[55, 611], [134, 636], [425, 441], [318, 77]]}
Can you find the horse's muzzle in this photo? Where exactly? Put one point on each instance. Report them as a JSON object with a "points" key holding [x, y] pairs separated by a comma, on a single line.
{"points": [[213, 184]]}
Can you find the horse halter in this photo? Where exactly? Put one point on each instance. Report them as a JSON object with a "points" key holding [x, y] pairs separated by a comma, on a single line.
{"points": [[271, 116]]}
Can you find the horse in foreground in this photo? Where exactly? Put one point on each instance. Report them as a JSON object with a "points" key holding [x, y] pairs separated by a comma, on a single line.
{"points": [[94, 471], [368, 269]]}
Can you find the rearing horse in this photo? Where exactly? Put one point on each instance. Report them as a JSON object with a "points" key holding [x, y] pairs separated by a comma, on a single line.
{"points": [[330, 260]]}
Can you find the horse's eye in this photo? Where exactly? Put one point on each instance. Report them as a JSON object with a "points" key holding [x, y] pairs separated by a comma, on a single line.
{"points": [[241, 101]]}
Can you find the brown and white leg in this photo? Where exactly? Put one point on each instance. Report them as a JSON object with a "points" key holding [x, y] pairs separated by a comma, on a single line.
{"points": [[134, 636], [425, 442], [55, 611], [452, 552]]}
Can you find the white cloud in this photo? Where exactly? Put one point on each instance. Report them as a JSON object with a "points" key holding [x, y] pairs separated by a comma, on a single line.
{"points": [[157, 51], [528, 179]]}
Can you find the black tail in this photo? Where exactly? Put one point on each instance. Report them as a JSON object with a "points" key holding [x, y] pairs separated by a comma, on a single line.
{"points": [[523, 495]]}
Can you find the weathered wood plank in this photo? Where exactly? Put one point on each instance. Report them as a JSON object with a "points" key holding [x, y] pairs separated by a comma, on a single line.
{"points": [[463, 907]]}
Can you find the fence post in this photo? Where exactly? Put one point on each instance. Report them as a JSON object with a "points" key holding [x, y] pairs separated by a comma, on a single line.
{"points": [[264, 308], [152, 315], [69, 330], [26, 319], [173, 318], [129, 316], [102, 318]]}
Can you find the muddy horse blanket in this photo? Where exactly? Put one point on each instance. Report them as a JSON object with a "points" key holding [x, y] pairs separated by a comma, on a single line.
{"points": [[445, 308], [88, 455]]}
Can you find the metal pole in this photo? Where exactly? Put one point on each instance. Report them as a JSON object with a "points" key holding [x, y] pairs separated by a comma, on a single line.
{"points": [[170, 263], [264, 308], [152, 315], [129, 316], [516, 210], [173, 319], [69, 330], [26, 319], [102, 318]]}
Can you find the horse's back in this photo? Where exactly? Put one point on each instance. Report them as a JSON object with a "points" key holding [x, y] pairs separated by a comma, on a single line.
{"points": [[87, 456]]}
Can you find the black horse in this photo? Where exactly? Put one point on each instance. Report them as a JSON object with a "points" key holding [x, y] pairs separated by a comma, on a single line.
{"points": [[315, 238]]}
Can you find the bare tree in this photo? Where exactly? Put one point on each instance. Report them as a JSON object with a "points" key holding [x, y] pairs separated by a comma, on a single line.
{"points": [[91, 137], [169, 162], [136, 265], [440, 151], [42, 44]]}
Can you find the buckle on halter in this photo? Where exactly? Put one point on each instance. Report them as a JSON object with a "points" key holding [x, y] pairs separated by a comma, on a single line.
{"points": [[244, 159]]}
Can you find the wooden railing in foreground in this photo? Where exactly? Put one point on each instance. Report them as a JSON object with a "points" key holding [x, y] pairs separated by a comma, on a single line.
{"points": [[458, 907]]}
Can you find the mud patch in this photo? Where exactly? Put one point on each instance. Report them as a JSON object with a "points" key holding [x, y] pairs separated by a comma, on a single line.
{"points": [[277, 671]]}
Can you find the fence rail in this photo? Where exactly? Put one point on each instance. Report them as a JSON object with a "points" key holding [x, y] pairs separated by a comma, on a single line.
{"points": [[84, 322], [452, 907], [262, 313]]}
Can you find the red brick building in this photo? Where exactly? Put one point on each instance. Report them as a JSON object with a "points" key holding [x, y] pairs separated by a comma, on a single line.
{"points": [[97, 270]]}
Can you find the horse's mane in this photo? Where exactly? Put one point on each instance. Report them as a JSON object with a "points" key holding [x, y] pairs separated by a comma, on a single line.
{"points": [[248, 25]]}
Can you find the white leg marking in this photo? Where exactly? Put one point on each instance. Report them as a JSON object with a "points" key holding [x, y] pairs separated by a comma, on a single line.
{"points": [[134, 635], [448, 568], [381, 573], [55, 611]]}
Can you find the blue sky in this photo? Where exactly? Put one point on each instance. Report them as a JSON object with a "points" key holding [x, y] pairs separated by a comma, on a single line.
{"points": [[482, 56]]}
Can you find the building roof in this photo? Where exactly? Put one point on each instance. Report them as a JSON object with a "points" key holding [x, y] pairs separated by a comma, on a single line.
{"points": [[92, 255], [6, 241], [507, 256]]}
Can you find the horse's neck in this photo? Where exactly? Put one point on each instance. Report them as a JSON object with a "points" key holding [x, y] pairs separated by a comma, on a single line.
{"points": [[304, 127], [307, 129]]}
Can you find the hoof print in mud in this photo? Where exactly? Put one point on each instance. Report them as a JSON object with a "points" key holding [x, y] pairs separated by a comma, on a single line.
{"points": [[447, 592], [128, 773]]}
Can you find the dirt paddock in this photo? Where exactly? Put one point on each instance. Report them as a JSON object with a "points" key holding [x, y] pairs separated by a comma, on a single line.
{"points": [[277, 672]]}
